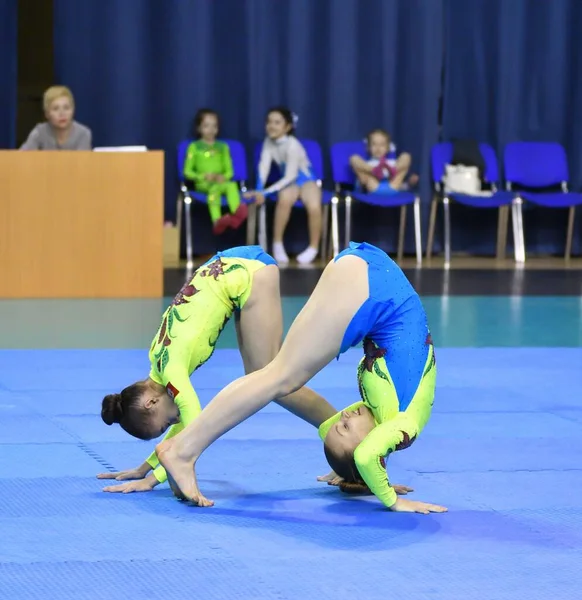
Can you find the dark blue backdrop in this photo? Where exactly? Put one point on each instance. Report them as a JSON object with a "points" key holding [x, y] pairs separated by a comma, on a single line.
{"points": [[139, 71], [8, 73], [513, 72]]}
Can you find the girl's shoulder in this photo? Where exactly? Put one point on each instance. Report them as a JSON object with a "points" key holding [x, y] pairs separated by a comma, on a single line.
{"points": [[294, 143]]}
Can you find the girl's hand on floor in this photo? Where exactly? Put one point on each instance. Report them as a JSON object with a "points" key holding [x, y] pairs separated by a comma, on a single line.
{"points": [[402, 490], [413, 506], [137, 473], [141, 485], [331, 478]]}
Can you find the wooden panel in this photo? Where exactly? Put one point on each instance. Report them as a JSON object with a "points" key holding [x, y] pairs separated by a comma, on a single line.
{"points": [[81, 224]]}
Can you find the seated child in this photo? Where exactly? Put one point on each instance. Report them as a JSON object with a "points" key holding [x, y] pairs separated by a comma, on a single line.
{"points": [[378, 174], [208, 165]]}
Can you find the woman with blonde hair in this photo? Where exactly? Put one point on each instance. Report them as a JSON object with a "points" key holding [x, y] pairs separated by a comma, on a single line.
{"points": [[61, 131]]}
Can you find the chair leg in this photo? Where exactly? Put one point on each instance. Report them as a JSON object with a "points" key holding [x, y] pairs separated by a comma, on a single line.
{"points": [[401, 232], [502, 222], [431, 226], [348, 232], [447, 220], [252, 224], [518, 237], [179, 205], [324, 231], [570, 232], [189, 243], [417, 231], [262, 210], [335, 226], [520, 231]]}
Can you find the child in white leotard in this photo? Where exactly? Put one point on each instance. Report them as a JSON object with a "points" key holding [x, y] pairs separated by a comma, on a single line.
{"points": [[297, 182]]}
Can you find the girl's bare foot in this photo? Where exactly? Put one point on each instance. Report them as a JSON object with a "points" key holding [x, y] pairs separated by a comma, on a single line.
{"points": [[181, 475]]}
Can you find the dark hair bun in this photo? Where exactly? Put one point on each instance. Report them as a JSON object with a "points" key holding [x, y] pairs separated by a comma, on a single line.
{"points": [[111, 409], [354, 487]]}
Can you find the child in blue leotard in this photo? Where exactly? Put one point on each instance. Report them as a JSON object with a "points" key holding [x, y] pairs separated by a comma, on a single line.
{"points": [[361, 296], [382, 172]]}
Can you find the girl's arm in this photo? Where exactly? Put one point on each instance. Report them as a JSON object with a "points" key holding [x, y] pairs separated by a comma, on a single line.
{"points": [[179, 387], [264, 166], [190, 172], [396, 434], [227, 169], [294, 155]]}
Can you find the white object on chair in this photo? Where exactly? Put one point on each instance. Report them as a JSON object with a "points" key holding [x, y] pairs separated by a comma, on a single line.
{"points": [[460, 179], [121, 149]]}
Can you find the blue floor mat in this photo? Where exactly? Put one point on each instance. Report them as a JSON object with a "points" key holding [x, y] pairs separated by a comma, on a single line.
{"points": [[502, 451]]}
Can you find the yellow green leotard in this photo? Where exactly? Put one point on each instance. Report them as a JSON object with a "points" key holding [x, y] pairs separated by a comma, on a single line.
{"points": [[395, 429], [192, 324], [203, 159]]}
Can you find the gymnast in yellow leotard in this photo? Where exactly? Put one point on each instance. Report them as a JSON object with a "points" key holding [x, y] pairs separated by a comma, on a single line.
{"points": [[243, 281], [362, 296]]}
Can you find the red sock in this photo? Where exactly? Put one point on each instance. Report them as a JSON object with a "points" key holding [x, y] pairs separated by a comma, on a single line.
{"points": [[222, 224], [239, 216]]}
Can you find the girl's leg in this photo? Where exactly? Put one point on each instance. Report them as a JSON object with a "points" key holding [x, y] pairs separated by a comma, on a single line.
{"points": [[402, 167], [238, 211], [232, 193], [259, 329], [360, 165], [213, 198], [220, 222], [311, 198], [285, 202], [363, 172], [312, 342]]}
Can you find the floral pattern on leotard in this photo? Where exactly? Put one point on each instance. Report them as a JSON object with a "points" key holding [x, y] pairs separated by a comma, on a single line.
{"points": [[369, 363], [172, 315], [213, 269]]}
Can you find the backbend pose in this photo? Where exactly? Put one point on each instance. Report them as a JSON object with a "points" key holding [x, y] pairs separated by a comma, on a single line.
{"points": [[244, 281], [362, 295]]}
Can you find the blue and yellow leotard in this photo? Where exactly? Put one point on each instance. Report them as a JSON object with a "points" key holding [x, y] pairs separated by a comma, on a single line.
{"points": [[397, 374], [192, 325]]}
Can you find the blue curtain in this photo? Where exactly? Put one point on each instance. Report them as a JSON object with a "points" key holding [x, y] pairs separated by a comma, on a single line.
{"points": [[8, 72], [139, 71], [512, 72]]}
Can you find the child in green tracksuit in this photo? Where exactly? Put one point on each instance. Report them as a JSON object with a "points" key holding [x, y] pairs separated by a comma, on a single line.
{"points": [[209, 166]]}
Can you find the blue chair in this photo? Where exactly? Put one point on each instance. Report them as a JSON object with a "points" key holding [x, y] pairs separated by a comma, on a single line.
{"points": [[186, 196], [343, 175], [441, 156], [313, 150], [542, 165]]}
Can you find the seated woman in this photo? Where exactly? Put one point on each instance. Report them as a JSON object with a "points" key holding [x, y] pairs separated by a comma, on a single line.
{"points": [[362, 296], [243, 281], [60, 132]]}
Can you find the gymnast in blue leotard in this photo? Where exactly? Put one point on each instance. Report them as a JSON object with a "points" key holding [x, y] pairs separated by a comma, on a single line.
{"points": [[362, 296]]}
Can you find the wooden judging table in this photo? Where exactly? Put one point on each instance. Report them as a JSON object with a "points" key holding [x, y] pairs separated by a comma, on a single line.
{"points": [[81, 224]]}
